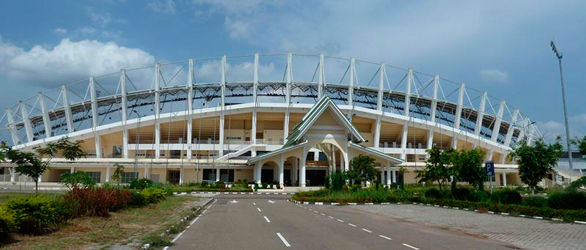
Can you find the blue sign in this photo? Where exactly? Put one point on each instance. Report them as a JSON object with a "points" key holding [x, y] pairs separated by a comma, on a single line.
{"points": [[489, 165]]}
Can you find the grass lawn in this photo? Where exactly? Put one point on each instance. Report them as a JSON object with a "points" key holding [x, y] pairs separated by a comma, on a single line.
{"points": [[123, 228], [4, 196]]}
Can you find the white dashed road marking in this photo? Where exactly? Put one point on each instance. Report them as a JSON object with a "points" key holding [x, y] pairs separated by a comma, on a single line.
{"points": [[366, 230], [340, 220], [283, 240], [409, 246], [384, 237], [258, 209], [267, 219], [352, 225]]}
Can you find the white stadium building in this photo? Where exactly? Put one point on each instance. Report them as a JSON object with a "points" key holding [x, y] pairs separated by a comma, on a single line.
{"points": [[282, 118]]}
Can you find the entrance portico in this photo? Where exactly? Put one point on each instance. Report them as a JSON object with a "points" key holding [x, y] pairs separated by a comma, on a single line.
{"points": [[326, 128]]}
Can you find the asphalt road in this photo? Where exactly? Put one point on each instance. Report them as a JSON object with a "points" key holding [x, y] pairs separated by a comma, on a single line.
{"points": [[267, 223]]}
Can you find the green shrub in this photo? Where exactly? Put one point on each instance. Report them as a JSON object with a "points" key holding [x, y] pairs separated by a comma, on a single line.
{"points": [[338, 181], [577, 184], [141, 183], [33, 215], [77, 180], [220, 184], [6, 222], [567, 200], [479, 196], [506, 196], [153, 194], [461, 193], [137, 199], [535, 201], [355, 188], [433, 193]]}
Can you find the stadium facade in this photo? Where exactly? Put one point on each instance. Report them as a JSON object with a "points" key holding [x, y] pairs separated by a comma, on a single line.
{"points": [[284, 118]]}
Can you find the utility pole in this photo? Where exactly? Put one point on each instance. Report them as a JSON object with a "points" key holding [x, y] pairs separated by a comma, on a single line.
{"points": [[559, 56]]}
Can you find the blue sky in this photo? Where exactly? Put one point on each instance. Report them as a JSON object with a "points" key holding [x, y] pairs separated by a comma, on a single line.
{"points": [[498, 46]]}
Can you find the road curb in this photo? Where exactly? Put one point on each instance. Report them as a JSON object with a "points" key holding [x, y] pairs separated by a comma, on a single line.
{"points": [[437, 206]]}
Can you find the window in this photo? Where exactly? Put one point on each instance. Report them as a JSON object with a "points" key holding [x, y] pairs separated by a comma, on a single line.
{"points": [[128, 177], [227, 175], [173, 176], [94, 175], [233, 138], [209, 174]]}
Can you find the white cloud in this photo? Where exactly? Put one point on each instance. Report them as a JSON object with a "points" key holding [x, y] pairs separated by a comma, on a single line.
{"points": [[61, 31], [551, 129], [68, 60], [87, 30], [237, 29], [162, 6], [494, 75], [103, 19]]}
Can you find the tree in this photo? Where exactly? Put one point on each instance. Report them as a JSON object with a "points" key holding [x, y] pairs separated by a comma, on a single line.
{"points": [[69, 150], [581, 143], [437, 167], [467, 166], [118, 172], [362, 169], [77, 180], [27, 163], [536, 161]]}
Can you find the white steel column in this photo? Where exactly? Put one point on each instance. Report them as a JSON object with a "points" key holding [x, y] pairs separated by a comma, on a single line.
{"points": [[254, 99], [394, 176], [12, 127], [223, 105], [480, 115], [405, 132], [433, 111], [26, 121], [46, 118], [108, 173], [377, 126], [157, 109], [524, 125], [302, 167], [408, 92], [320, 78], [287, 98], [217, 174], [351, 82], [382, 176], [190, 109], [381, 86], [511, 127], [95, 121], [67, 108], [404, 135], [124, 114], [497, 124], [388, 182], [504, 177], [257, 172], [458, 115], [281, 172], [181, 174]]}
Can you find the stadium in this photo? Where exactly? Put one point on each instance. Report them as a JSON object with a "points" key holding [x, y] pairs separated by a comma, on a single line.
{"points": [[282, 118]]}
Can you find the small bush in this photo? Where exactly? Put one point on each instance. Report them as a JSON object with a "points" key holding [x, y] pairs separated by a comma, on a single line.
{"points": [[97, 201], [153, 194], [137, 199], [32, 215], [338, 181], [535, 201], [6, 222], [77, 180], [567, 200], [220, 184], [433, 193], [141, 183], [461, 194], [507, 196]]}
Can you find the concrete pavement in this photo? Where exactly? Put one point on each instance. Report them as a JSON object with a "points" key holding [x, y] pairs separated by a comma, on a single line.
{"points": [[266, 223]]}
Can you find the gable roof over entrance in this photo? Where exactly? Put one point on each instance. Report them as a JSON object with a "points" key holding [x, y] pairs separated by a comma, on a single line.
{"points": [[296, 139]]}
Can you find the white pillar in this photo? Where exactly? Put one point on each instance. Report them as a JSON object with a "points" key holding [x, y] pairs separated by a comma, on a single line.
{"points": [[254, 99], [67, 108], [404, 135], [108, 173], [377, 132], [12, 127], [381, 85], [257, 173], [146, 173], [289, 78], [351, 82], [302, 168], [408, 92], [511, 127], [190, 109], [46, 118], [281, 171], [346, 159], [388, 174], [480, 114], [504, 177], [222, 104], [217, 174], [294, 169], [12, 174], [124, 113], [181, 174], [320, 78], [394, 176], [497, 125], [26, 121], [95, 121], [433, 110], [157, 109], [71, 169], [458, 115]]}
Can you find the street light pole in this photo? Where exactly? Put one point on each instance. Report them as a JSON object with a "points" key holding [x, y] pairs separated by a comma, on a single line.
{"points": [[559, 56]]}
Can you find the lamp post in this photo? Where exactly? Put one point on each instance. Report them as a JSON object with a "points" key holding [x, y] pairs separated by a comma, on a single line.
{"points": [[559, 56], [137, 144]]}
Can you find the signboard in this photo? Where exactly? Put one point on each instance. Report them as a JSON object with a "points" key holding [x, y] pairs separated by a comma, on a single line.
{"points": [[489, 165]]}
